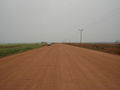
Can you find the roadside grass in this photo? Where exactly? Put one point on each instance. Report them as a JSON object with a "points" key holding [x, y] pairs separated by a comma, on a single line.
{"points": [[9, 49], [109, 48]]}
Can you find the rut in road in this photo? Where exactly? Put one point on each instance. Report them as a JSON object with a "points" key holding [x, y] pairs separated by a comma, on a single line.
{"points": [[60, 67]]}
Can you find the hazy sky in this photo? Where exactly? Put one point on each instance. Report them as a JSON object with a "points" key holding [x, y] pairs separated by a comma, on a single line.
{"points": [[59, 20]]}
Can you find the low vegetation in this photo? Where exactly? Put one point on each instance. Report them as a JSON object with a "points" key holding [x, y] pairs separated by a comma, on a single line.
{"points": [[109, 48], [8, 49]]}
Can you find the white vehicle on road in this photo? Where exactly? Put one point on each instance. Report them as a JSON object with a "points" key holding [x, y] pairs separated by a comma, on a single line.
{"points": [[49, 44]]}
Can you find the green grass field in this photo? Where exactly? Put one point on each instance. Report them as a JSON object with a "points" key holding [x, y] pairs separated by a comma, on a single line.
{"points": [[9, 49]]}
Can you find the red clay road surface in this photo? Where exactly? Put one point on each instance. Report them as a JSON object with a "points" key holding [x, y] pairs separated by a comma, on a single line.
{"points": [[60, 67]]}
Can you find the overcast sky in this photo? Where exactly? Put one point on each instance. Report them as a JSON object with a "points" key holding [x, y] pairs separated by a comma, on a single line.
{"points": [[59, 20]]}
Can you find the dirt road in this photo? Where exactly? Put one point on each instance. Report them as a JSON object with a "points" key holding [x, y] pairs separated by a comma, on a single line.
{"points": [[60, 67]]}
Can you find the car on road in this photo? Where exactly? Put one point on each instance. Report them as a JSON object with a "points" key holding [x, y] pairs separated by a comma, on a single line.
{"points": [[49, 44]]}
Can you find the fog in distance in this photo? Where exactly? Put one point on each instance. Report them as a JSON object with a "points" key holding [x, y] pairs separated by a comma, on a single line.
{"points": [[24, 21]]}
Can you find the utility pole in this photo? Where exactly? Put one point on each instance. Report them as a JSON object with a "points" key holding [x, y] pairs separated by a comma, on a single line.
{"points": [[81, 30]]}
